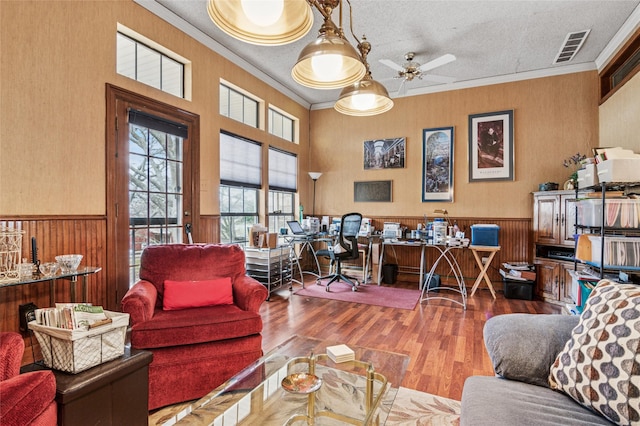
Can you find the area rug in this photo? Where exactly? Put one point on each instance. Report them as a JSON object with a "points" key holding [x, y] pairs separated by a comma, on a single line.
{"points": [[370, 294]]}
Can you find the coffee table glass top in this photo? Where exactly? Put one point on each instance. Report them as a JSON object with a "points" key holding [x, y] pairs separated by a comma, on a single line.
{"points": [[255, 395]]}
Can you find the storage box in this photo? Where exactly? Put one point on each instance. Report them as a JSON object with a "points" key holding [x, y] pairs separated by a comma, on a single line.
{"points": [[74, 351], [619, 170], [618, 251], [620, 212], [484, 235], [517, 289], [588, 176]]}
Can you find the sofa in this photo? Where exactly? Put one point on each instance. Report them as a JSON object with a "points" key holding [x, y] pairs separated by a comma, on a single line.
{"points": [[562, 369], [196, 310], [25, 399]]}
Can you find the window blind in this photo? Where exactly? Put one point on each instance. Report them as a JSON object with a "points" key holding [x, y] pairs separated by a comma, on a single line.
{"points": [[283, 170], [240, 161]]}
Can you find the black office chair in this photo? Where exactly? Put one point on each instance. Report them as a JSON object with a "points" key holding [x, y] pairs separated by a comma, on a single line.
{"points": [[348, 241]]}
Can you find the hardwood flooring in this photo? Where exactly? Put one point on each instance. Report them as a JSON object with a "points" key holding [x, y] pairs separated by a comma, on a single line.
{"points": [[444, 341]]}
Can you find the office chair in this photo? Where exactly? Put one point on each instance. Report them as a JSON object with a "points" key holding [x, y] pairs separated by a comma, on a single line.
{"points": [[348, 241]]}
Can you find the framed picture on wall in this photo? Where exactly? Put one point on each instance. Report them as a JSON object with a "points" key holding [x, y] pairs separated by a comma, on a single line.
{"points": [[491, 146], [384, 154], [437, 164]]}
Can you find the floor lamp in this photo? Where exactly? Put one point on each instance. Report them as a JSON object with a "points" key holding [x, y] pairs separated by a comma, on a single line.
{"points": [[315, 176]]}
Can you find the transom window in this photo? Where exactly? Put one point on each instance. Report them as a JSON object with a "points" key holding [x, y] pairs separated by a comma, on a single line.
{"points": [[149, 66], [238, 106], [281, 125]]}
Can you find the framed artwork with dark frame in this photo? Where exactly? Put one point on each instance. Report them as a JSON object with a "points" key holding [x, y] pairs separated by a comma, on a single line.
{"points": [[491, 146], [384, 154], [437, 164], [372, 191]]}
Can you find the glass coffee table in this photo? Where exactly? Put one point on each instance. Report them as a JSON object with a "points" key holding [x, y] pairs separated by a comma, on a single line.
{"points": [[359, 392]]}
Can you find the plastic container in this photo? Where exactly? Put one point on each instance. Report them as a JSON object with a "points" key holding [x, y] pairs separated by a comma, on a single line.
{"points": [[620, 212], [439, 231], [484, 235], [517, 289], [619, 170], [618, 251]]}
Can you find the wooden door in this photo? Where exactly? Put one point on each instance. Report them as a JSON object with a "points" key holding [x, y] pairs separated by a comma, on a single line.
{"points": [[546, 219], [568, 219], [548, 279]]}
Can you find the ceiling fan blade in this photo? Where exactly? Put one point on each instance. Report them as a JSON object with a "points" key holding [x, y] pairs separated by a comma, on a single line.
{"points": [[438, 62], [403, 88], [391, 64], [438, 78]]}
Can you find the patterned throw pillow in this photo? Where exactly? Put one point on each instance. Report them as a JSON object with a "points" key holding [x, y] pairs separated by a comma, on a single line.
{"points": [[600, 365]]}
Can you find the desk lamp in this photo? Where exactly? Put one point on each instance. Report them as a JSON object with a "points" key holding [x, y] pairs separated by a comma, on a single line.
{"points": [[315, 176], [445, 213]]}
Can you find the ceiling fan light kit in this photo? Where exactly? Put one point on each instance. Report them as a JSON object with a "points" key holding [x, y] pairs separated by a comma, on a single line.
{"points": [[412, 69]]}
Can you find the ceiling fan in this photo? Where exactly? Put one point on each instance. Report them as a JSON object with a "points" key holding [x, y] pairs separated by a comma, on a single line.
{"points": [[411, 70]]}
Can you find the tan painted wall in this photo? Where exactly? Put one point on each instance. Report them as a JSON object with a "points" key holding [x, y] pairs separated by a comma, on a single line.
{"points": [[554, 118], [620, 117], [56, 57]]}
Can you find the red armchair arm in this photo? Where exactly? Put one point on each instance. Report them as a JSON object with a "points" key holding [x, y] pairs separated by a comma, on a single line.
{"points": [[140, 301], [28, 399], [248, 293], [11, 351]]}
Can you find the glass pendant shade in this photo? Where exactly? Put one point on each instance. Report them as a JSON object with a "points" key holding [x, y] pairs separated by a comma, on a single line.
{"points": [[329, 62], [366, 97], [262, 22]]}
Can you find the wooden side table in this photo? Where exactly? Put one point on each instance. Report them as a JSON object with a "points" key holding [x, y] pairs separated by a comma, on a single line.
{"points": [[113, 393], [492, 250]]}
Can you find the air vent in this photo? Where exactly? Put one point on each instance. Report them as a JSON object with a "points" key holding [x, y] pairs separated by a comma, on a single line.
{"points": [[571, 45]]}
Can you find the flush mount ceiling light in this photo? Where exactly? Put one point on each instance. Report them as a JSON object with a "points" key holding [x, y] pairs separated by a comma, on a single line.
{"points": [[366, 97], [262, 22]]}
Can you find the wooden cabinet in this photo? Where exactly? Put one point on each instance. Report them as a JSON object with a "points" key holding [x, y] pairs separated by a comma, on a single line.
{"points": [[554, 280], [554, 217]]}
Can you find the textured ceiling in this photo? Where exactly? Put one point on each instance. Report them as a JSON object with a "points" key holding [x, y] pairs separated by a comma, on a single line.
{"points": [[493, 41]]}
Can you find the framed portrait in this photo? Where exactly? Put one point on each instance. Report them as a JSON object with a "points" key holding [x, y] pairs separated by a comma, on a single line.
{"points": [[437, 164], [491, 146], [384, 154]]}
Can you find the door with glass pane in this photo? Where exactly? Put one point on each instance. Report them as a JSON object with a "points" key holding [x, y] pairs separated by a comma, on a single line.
{"points": [[153, 195]]}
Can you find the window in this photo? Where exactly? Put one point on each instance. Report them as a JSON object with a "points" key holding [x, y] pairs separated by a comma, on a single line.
{"points": [[281, 125], [283, 177], [238, 106], [240, 181], [149, 66]]}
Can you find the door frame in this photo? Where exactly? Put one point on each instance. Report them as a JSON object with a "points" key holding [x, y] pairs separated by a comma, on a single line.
{"points": [[118, 102]]}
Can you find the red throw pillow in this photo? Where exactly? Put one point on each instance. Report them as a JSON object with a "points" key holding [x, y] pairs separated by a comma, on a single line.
{"points": [[194, 294]]}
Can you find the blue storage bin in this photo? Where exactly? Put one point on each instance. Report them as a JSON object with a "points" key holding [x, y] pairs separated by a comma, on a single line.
{"points": [[484, 235]]}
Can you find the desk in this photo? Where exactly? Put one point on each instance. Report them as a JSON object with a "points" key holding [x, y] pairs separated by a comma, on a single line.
{"points": [[392, 244], [446, 253], [484, 267], [306, 241]]}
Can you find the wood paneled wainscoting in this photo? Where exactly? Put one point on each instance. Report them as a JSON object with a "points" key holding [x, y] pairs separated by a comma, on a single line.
{"points": [[55, 235], [515, 239]]}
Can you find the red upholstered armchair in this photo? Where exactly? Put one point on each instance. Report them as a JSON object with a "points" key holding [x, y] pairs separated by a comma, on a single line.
{"points": [[25, 399], [198, 312]]}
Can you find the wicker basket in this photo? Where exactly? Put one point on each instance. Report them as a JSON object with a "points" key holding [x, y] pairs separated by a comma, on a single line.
{"points": [[10, 252], [74, 351]]}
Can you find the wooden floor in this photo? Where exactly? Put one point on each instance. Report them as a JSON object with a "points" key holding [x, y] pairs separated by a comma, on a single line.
{"points": [[443, 341]]}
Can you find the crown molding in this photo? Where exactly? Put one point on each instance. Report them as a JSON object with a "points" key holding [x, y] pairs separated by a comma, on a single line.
{"points": [[625, 32]]}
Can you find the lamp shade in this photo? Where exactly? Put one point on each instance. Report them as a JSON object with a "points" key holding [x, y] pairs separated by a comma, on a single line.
{"points": [[329, 62], [262, 22], [315, 175], [366, 97]]}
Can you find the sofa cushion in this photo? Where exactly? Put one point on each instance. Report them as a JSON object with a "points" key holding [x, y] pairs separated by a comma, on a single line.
{"points": [[600, 366], [195, 294], [196, 325], [523, 346], [490, 401]]}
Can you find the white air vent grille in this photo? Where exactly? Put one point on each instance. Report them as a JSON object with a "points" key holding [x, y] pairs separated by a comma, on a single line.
{"points": [[571, 45]]}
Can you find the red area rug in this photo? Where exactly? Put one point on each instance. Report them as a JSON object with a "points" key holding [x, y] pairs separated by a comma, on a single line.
{"points": [[370, 294]]}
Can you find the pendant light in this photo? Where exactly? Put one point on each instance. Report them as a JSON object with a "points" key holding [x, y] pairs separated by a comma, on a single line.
{"points": [[366, 97], [330, 61], [262, 22]]}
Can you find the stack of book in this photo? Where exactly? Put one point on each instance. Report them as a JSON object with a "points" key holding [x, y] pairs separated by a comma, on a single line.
{"points": [[518, 271], [340, 353]]}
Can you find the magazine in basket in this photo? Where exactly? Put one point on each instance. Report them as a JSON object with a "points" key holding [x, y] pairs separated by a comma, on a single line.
{"points": [[76, 350]]}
